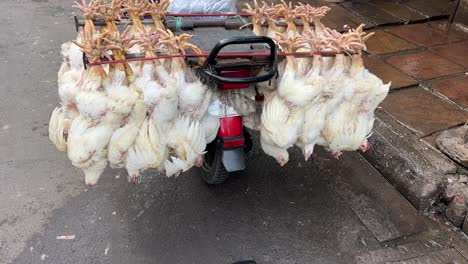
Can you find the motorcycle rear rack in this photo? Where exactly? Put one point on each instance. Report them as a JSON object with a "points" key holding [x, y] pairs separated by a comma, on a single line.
{"points": [[210, 69], [172, 23]]}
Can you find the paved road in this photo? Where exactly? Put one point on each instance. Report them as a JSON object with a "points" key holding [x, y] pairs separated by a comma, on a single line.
{"points": [[324, 211]]}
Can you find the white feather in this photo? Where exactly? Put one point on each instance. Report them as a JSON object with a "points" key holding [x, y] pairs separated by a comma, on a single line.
{"points": [[58, 128]]}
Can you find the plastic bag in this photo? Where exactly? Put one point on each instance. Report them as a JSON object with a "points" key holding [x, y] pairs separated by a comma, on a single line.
{"points": [[203, 7]]}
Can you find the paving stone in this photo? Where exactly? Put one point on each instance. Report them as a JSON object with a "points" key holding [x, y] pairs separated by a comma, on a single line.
{"points": [[455, 89], [449, 29], [422, 35], [372, 13], [431, 8], [424, 65], [456, 52], [452, 142], [399, 10], [338, 16], [422, 111], [431, 140], [388, 73], [383, 42]]}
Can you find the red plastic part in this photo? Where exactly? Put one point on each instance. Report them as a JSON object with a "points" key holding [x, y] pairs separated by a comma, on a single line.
{"points": [[239, 73], [233, 143], [230, 127]]}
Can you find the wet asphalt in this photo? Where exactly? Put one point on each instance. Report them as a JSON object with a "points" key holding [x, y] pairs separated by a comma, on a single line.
{"points": [[267, 213]]}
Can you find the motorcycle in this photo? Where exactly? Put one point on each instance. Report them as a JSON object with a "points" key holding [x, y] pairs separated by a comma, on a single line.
{"points": [[226, 154]]}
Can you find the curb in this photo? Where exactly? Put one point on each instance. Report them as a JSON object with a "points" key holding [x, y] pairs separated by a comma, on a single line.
{"points": [[419, 172]]}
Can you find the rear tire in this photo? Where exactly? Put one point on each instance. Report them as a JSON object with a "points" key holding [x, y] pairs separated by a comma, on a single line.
{"points": [[213, 171], [248, 141]]}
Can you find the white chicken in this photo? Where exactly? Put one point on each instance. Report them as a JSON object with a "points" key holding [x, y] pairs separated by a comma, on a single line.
{"points": [[314, 123], [335, 88], [123, 137], [154, 113], [58, 129], [136, 9], [309, 14], [348, 127], [163, 97], [254, 120], [294, 87], [69, 78], [91, 131], [87, 146], [369, 92], [187, 142], [148, 151], [210, 126], [317, 110], [315, 15], [145, 83], [280, 128], [242, 103], [69, 75], [161, 103], [194, 96]]}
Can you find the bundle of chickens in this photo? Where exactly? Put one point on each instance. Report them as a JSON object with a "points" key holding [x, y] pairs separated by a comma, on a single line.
{"points": [[153, 113]]}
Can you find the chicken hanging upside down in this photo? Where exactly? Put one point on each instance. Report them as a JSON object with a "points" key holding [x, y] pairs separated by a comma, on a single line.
{"points": [[91, 131], [350, 124], [335, 104]]}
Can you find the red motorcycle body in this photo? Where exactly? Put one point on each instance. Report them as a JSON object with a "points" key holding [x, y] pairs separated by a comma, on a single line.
{"points": [[231, 129]]}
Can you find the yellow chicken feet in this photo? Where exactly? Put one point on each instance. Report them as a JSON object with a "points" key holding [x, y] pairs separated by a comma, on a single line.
{"points": [[158, 11], [290, 14], [90, 11], [258, 15], [136, 10], [111, 12], [121, 42], [94, 47]]}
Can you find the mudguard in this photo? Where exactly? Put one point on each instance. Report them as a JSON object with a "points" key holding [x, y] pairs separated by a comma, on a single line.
{"points": [[233, 159]]}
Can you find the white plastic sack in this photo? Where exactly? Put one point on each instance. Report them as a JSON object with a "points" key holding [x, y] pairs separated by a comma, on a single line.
{"points": [[203, 7]]}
